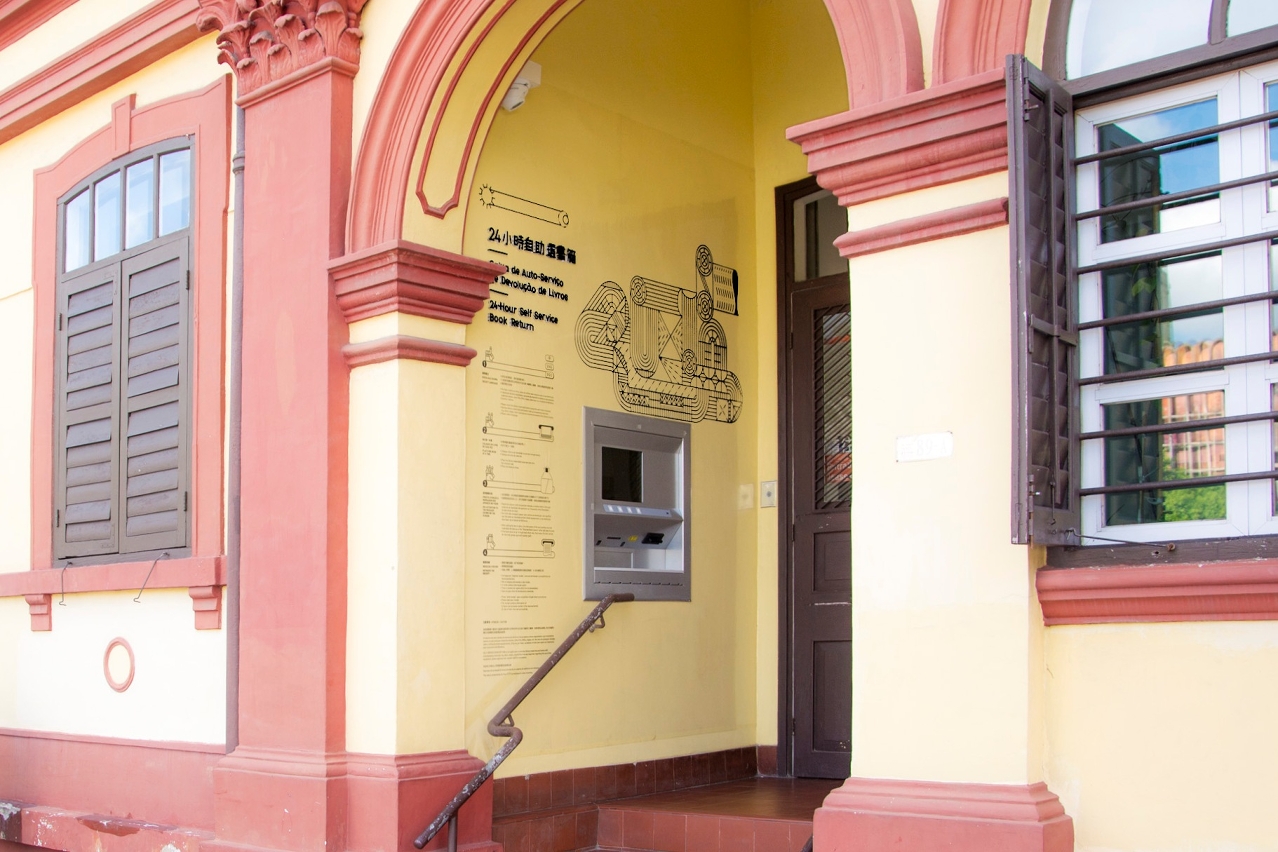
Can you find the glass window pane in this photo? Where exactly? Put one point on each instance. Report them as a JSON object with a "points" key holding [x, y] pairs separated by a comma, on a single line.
{"points": [[1273, 285], [1106, 34], [139, 215], [1247, 15], [106, 216], [622, 475], [76, 232], [1188, 338], [832, 406], [175, 191], [1273, 446], [1159, 171], [819, 220], [1271, 104], [1148, 457]]}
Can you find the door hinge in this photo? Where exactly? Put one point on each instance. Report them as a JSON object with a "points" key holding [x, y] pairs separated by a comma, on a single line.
{"points": [[791, 726], [1026, 102], [792, 340]]}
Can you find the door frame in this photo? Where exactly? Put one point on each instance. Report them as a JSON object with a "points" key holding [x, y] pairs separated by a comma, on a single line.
{"points": [[786, 195]]}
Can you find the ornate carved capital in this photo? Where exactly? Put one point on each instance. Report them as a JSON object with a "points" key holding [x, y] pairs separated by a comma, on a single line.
{"points": [[266, 40]]}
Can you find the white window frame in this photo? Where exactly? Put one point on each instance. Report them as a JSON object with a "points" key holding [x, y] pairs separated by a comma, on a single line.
{"points": [[1246, 269]]}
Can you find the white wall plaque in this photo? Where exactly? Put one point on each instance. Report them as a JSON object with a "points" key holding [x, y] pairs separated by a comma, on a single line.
{"points": [[935, 445]]}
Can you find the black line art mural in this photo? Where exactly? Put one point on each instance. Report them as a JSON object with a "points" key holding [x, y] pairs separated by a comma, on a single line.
{"points": [[667, 352], [547, 549], [546, 371], [545, 432], [495, 198], [544, 485]]}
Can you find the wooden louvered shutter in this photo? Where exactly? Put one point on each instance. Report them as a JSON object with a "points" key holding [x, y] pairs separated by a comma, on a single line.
{"points": [[155, 398], [1045, 420], [87, 410]]}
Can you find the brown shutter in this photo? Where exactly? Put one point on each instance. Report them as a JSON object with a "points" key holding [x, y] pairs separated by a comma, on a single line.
{"points": [[86, 460], [1045, 501], [155, 399]]}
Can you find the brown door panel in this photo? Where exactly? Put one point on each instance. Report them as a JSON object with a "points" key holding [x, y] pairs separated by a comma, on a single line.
{"points": [[819, 499]]}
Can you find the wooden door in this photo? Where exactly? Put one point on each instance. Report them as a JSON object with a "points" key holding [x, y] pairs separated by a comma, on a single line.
{"points": [[817, 491]]}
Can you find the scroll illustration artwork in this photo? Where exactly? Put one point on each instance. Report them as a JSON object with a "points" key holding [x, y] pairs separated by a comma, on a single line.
{"points": [[666, 350]]}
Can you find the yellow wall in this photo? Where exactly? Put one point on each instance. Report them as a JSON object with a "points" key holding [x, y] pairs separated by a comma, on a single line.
{"points": [[65, 30], [943, 612], [797, 76], [641, 131], [656, 139], [1163, 735], [55, 682]]}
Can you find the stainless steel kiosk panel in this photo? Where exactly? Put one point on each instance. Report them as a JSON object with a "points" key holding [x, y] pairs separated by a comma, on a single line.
{"points": [[636, 496]]}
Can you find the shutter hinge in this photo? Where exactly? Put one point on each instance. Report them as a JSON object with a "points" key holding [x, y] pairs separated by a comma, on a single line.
{"points": [[57, 517], [791, 726], [186, 500], [60, 322], [188, 279]]}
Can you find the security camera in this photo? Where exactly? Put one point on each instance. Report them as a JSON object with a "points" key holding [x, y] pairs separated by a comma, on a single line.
{"points": [[529, 78]]}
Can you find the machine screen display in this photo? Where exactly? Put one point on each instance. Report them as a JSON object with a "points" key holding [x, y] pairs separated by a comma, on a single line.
{"points": [[622, 475]]}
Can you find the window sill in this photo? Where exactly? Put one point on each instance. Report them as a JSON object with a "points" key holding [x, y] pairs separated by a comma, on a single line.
{"points": [[202, 576], [1206, 591]]}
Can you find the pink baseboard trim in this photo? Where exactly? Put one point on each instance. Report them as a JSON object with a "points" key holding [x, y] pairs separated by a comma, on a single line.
{"points": [[390, 799], [921, 229], [72, 831], [104, 60], [946, 133], [165, 783], [405, 277], [922, 816], [1220, 591], [405, 348]]}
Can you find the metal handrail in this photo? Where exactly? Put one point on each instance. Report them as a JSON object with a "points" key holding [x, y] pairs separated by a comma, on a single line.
{"points": [[503, 724]]}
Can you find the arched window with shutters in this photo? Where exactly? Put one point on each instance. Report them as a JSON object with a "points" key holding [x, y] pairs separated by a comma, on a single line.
{"points": [[122, 368], [1145, 217]]}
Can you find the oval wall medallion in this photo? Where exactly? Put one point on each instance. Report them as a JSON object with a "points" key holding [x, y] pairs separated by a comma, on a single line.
{"points": [[118, 664]]}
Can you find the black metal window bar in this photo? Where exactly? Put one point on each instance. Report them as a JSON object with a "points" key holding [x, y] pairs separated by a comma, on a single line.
{"points": [[1203, 192]]}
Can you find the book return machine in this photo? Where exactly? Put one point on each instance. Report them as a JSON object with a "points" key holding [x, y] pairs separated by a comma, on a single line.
{"points": [[637, 494]]}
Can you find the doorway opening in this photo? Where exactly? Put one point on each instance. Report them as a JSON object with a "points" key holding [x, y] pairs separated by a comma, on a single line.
{"points": [[815, 493]]}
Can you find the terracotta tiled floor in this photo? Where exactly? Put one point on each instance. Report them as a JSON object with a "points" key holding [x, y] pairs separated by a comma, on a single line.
{"points": [[757, 815], [766, 798]]}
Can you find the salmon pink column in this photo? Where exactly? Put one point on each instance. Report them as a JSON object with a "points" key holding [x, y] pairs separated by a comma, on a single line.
{"points": [[284, 786], [948, 673]]}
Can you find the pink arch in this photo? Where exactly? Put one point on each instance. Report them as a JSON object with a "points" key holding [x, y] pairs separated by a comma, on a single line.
{"points": [[975, 35], [879, 40]]}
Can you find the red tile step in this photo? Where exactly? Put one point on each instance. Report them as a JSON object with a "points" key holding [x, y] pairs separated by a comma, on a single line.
{"points": [[756, 815]]}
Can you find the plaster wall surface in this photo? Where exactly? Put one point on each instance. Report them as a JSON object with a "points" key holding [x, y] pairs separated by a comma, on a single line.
{"points": [[659, 129], [55, 680], [944, 683], [57, 677], [67, 29], [797, 75], [1162, 735]]}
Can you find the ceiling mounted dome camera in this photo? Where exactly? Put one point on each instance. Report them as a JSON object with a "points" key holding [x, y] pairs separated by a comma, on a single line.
{"points": [[529, 78]]}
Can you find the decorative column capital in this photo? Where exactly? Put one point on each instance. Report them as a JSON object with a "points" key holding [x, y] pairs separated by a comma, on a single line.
{"points": [[266, 41]]}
